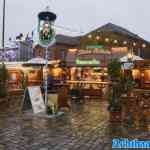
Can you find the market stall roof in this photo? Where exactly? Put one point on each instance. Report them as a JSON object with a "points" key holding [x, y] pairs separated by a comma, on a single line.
{"points": [[12, 62], [69, 40], [134, 58], [116, 29], [142, 63], [40, 61]]}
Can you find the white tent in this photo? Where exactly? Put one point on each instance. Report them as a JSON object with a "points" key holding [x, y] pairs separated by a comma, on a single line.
{"points": [[129, 65], [134, 58]]}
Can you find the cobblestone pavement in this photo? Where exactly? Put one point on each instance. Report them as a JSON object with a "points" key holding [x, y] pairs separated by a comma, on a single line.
{"points": [[86, 127]]}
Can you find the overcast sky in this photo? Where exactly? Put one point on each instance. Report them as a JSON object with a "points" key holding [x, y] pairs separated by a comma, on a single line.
{"points": [[80, 15]]}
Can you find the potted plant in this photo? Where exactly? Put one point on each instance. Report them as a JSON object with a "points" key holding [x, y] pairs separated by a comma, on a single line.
{"points": [[3, 80], [114, 71], [49, 110], [127, 84], [24, 80]]}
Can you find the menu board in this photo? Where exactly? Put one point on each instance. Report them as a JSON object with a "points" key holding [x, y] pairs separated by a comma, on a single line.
{"points": [[33, 99]]}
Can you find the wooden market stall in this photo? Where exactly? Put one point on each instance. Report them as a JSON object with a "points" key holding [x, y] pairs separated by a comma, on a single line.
{"points": [[14, 75], [36, 71]]}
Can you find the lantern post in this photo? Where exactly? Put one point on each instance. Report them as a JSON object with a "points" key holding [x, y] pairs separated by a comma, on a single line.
{"points": [[46, 39], [3, 29]]}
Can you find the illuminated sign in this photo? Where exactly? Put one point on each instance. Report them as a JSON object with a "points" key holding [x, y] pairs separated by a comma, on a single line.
{"points": [[87, 62], [91, 52], [94, 46]]}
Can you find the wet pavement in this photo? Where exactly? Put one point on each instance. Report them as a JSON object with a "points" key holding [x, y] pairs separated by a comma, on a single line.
{"points": [[85, 127]]}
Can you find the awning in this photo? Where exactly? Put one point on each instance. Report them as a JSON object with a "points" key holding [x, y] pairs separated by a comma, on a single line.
{"points": [[134, 58]]}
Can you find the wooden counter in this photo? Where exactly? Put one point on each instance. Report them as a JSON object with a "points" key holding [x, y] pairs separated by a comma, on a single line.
{"points": [[88, 82], [94, 90]]}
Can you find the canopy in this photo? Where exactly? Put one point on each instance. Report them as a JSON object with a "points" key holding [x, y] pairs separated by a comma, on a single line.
{"points": [[134, 58]]}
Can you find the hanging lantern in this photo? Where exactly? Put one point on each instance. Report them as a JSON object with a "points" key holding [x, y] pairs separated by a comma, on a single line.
{"points": [[89, 36], [45, 29], [143, 45], [97, 37], [125, 42], [106, 39], [130, 55], [134, 44], [115, 41]]}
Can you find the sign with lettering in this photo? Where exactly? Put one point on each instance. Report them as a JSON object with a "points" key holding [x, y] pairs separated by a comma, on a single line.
{"points": [[92, 51], [33, 100], [87, 62], [94, 46]]}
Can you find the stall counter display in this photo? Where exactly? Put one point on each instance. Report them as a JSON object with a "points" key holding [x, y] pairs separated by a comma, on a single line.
{"points": [[14, 79], [90, 92]]}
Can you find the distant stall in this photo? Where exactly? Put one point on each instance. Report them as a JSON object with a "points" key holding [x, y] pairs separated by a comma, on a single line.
{"points": [[14, 74], [35, 70], [141, 73], [88, 64], [32, 72]]}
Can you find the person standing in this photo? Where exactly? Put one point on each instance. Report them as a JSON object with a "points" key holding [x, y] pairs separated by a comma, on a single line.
{"points": [[50, 81]]}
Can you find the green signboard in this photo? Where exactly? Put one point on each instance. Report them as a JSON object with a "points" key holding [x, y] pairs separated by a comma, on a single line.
{"points": [[87, 62], [94, 46]]}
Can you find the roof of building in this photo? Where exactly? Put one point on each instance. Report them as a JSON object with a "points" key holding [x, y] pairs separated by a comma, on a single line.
{"points": [[64, 39], [110, 27]]}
